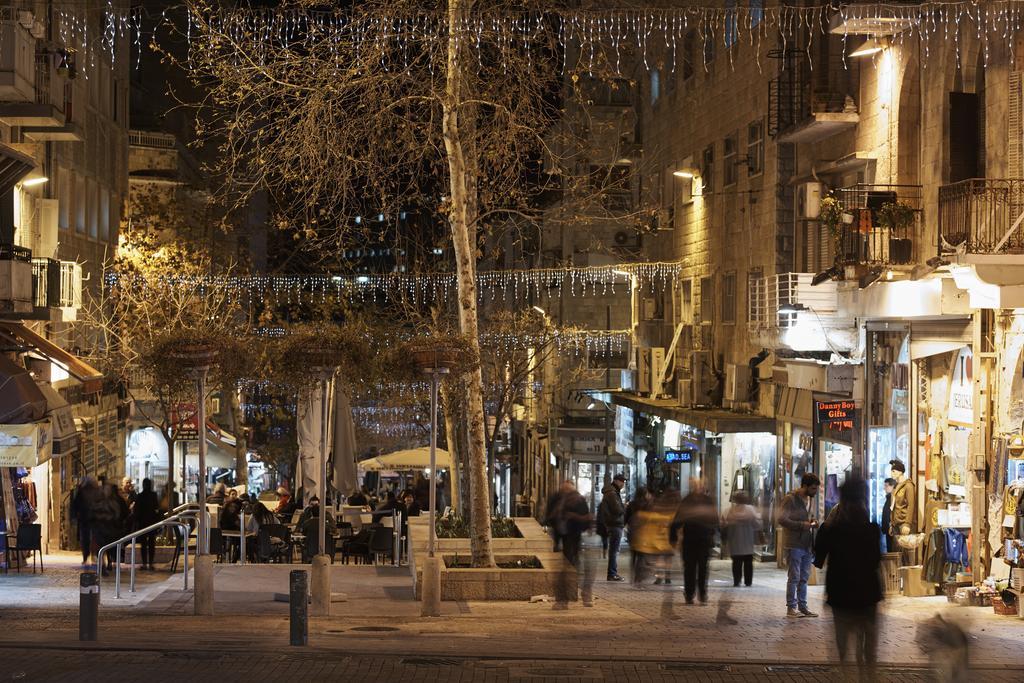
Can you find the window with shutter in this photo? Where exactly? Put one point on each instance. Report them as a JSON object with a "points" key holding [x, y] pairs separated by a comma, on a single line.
{"points": [[1015, 148]]}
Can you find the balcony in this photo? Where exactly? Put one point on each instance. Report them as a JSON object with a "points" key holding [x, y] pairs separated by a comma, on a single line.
{"points": [[56, 290], [806, 105], [982, 216], [15, 279], [46, 109], [17, 61], [881, 225], [787, 310]]}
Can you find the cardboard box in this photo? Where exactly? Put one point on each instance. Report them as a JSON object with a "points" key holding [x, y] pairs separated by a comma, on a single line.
{"points": [[913, 585]]}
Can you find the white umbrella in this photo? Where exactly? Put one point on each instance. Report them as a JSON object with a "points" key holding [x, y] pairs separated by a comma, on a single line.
{"points": [[412, 459]]}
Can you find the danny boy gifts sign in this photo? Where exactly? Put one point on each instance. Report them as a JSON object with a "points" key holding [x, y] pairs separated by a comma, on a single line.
{"points": [[835, 415]]}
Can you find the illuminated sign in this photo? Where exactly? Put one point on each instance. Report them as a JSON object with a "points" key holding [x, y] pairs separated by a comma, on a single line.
{"points": [[678, 456], [836, 415]]}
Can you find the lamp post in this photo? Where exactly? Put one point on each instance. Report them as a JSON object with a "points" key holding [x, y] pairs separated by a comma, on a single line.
{"points": [[197, 359]]}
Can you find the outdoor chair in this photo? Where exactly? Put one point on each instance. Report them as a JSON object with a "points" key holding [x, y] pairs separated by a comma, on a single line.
{"points": [[357, 547], [382, 542], [274, 543], [178, 545], [28, 539], [312, 547], [217, 544]]}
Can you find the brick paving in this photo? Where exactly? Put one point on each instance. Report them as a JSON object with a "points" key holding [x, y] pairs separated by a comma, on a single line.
{"points": [[628, 634]]}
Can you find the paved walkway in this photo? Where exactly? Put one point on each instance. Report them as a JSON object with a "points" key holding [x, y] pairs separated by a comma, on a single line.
{"points": [[376, 633]]}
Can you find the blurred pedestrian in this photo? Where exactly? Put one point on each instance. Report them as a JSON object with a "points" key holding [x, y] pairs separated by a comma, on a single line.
{"points": [[798, 525], [108, 517], [946, 645], [698, 520], [572, 518], [146, 511], [612, 515], [285, 504], [888, 543], [219, 494], [848, 541], [665, 503], [641, 502], [83, 502], [551, 514], [128, 491], [742, 522]]}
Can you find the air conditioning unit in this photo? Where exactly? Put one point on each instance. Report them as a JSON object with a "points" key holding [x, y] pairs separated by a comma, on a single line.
{"points": [[702, 377], [684, 392], [808, 200], [737, 383], [627, 239], [650, 366]]}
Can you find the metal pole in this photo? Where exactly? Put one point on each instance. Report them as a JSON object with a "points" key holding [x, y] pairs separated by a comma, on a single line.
{"points": [[241, 538], [117, 570], [431, 535], [204, 525], [324, 415], [131, 570], [88, 605]]}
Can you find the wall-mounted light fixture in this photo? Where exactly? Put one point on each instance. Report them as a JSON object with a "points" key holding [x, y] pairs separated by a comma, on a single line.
{"points": [[871, 46], [32, 182]]}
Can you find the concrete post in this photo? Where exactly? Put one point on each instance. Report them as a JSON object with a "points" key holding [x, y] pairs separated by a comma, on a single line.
{"points": [[430, 587], [298, 607], [321, 588], [202, 591]]}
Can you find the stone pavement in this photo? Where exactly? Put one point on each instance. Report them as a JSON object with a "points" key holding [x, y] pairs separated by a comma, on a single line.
{"points": [[628, 635]]}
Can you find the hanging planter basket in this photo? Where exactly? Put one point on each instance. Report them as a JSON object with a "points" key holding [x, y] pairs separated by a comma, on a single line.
{"points": [[453, 353], [193, 354]]}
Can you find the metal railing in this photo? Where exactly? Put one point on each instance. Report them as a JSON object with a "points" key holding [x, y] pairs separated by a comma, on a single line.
{"points": [[45, 282], [141, 138], [70, 295], [982, 216], [12, 252], [799, 92], [179, 519], [872, 236]]}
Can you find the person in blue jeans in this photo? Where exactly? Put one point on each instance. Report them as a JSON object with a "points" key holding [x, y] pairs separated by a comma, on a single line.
{"points": [[613, 515], [798, 525]]}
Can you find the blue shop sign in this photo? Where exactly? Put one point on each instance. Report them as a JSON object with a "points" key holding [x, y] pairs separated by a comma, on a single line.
{"points": [[678, 456]]}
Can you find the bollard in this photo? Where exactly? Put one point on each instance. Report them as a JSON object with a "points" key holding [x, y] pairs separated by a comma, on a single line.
{"points": [[88, 605], [298, 607]]}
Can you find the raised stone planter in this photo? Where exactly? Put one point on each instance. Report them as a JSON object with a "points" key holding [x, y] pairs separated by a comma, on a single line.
{"points": [[497, 583]]}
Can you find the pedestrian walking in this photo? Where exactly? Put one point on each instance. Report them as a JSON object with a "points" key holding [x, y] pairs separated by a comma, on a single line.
{"points": [[798, 525], [698, 520], [551, 510], [638, 564], [146, 511], [109, 514], [83, 501], [572, 518], [612, 516], [853, 585], [742, 523]]}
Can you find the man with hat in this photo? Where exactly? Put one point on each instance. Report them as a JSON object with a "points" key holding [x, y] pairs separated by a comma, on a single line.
{"points": [[613, 515]]}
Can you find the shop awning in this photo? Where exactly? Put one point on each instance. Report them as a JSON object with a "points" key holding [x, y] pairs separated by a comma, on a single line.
{"points": [[20, 398], [412, 459], [932, 337], [26, 340], [795, 406], [597, 458], [62, 422], [710, 419]]}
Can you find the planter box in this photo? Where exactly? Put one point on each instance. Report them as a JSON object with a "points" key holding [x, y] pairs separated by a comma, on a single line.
{"points": [[493, 583]]}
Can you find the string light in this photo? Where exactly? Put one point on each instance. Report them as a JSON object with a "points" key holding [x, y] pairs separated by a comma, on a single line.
{"points": [[508, 286], [389, 36]]}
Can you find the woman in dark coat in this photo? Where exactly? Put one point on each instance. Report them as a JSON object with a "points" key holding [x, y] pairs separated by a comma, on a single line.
{"points": [[146, 511], [853, 584]]}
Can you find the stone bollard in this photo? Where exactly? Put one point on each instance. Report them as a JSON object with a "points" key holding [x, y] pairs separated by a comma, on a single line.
{"points": [[88, 605], [202, 591], [298, 607], [430, 588], [321, 588]]}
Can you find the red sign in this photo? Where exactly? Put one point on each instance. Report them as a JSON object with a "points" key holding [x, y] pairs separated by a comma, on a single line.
{"points": [[184, 420], [836, 415]]}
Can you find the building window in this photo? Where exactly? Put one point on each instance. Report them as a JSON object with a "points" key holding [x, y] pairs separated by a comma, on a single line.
{"points": [[729, 173], [707, 300], [655, 86], [689, 53], [707, 169], [756, 303], [729, 298], [731, 27], [686, 302], [709, 49], [755, 148], [756, 12]]}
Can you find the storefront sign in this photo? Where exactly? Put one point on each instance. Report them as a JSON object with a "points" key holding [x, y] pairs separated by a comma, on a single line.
{"points": [[961, 390], [185, 422], [678, 456], [24, 445], [836, 415], [624, 444]]}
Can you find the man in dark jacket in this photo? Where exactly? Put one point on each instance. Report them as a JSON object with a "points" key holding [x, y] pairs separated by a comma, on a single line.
{"points": [[798, 525], [613, 516], [888, 543], [697, 518], [849, 542]]}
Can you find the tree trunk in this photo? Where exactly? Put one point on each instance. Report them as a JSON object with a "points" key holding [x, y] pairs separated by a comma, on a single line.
{"points": [[462, 218], [241, 447]]}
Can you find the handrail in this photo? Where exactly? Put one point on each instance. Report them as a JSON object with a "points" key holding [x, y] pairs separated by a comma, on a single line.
{"points": [[179, 520]]}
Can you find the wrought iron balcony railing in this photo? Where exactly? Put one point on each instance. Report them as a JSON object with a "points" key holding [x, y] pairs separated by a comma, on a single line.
{"points": [[882, 225], [982, 216]]}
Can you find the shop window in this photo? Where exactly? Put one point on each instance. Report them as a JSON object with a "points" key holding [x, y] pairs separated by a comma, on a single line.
{"points": [[729, 298]]}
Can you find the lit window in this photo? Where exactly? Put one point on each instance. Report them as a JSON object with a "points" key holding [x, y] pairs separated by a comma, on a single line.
{"points": [[755, 148]]}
